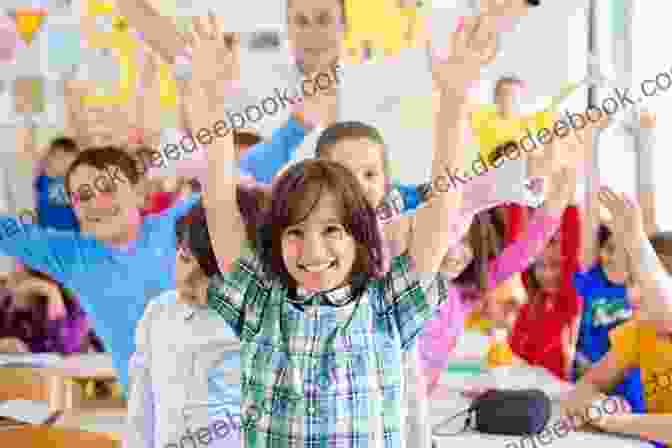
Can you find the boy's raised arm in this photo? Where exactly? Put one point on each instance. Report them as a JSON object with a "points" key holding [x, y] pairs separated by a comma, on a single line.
{"points": [[473, 45], [216, 65], [159, 31]]}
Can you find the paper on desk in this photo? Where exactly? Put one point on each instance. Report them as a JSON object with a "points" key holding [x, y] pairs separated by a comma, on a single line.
{"points": [[28, 411], [30, 359], [103, 423], [87, 362]]}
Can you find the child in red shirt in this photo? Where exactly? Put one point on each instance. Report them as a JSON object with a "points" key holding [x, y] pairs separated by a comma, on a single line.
{"points": [[544, 333]]}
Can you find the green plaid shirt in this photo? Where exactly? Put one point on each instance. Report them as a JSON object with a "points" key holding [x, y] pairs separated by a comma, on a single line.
{"points": [[318, 375]]}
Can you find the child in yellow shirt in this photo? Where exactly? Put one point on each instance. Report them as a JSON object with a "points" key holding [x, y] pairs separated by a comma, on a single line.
{"points": [[645, 342]]}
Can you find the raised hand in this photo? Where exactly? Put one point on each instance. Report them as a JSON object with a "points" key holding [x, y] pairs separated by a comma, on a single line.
{"points": [[626, 216], [216, 66], [562, 189], [471, 47]]}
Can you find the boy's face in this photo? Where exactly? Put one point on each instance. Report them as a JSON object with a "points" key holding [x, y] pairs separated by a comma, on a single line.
{"points": [[318, 252], [58, 162], [105, 202], [615, 272], [315, 31], [364, 159]]}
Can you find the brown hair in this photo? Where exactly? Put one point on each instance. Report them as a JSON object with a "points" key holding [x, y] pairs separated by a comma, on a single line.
{"points": [[103, 158], [245, 138], [296, 194], [483, 236], [353, 130], [192, 229], [64, 144], [662, 244], [506, 80]]}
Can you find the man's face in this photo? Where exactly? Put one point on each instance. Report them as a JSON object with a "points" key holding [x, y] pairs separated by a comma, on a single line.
{"points": [[316, 31], [508, 98]]}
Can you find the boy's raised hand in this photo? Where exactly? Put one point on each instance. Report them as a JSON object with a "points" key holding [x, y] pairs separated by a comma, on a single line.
{"points": [[216, 66], [626, 216], [472, 46]]}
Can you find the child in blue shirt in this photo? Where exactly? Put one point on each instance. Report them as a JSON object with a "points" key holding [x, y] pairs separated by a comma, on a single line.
{"points": [[53, 205], [605, 306], [118, 261]]}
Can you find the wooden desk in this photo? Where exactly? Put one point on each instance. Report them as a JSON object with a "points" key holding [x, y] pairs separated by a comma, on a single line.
{"points": [[108, 422], [66, 381], [50, 437], [21, 383], [59, 384]]}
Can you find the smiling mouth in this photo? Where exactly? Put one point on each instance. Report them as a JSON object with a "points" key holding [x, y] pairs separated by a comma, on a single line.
{"points": [[101, 215], [315, 268]]}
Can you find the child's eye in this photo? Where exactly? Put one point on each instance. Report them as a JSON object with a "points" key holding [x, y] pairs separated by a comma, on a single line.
{"points": [[82, 197], [370, 174], [302, 21], [334, 231], [294, 233]]}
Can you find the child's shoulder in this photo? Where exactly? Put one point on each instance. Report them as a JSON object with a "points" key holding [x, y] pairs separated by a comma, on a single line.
{"points": [[160, 302]]}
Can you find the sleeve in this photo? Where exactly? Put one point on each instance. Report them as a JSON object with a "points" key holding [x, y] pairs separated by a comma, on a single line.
{"points": [[53, 252], [140, 415], [409, 299], [585, 285], [570, 244], [74, 337], [263, 160], [520, 254], [623, 341], [412, 195], [240, 296], [182, 207], [438, 338]]}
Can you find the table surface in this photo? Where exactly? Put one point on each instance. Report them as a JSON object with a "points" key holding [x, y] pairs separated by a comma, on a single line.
{"points": [[97, 366], [450, 401], [110, 422]]}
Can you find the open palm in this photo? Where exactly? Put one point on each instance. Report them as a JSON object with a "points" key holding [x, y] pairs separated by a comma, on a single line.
{"points": [[472, 47], [215, 62]]}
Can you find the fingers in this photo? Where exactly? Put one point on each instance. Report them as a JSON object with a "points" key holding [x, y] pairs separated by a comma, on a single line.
{"points": [[200, 28]]}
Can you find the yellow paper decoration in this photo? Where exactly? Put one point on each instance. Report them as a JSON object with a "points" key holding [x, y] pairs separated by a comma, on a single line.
{"points": [[167, 87], [28, 22], [126, 47], [491, 130], [380, 22]]}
